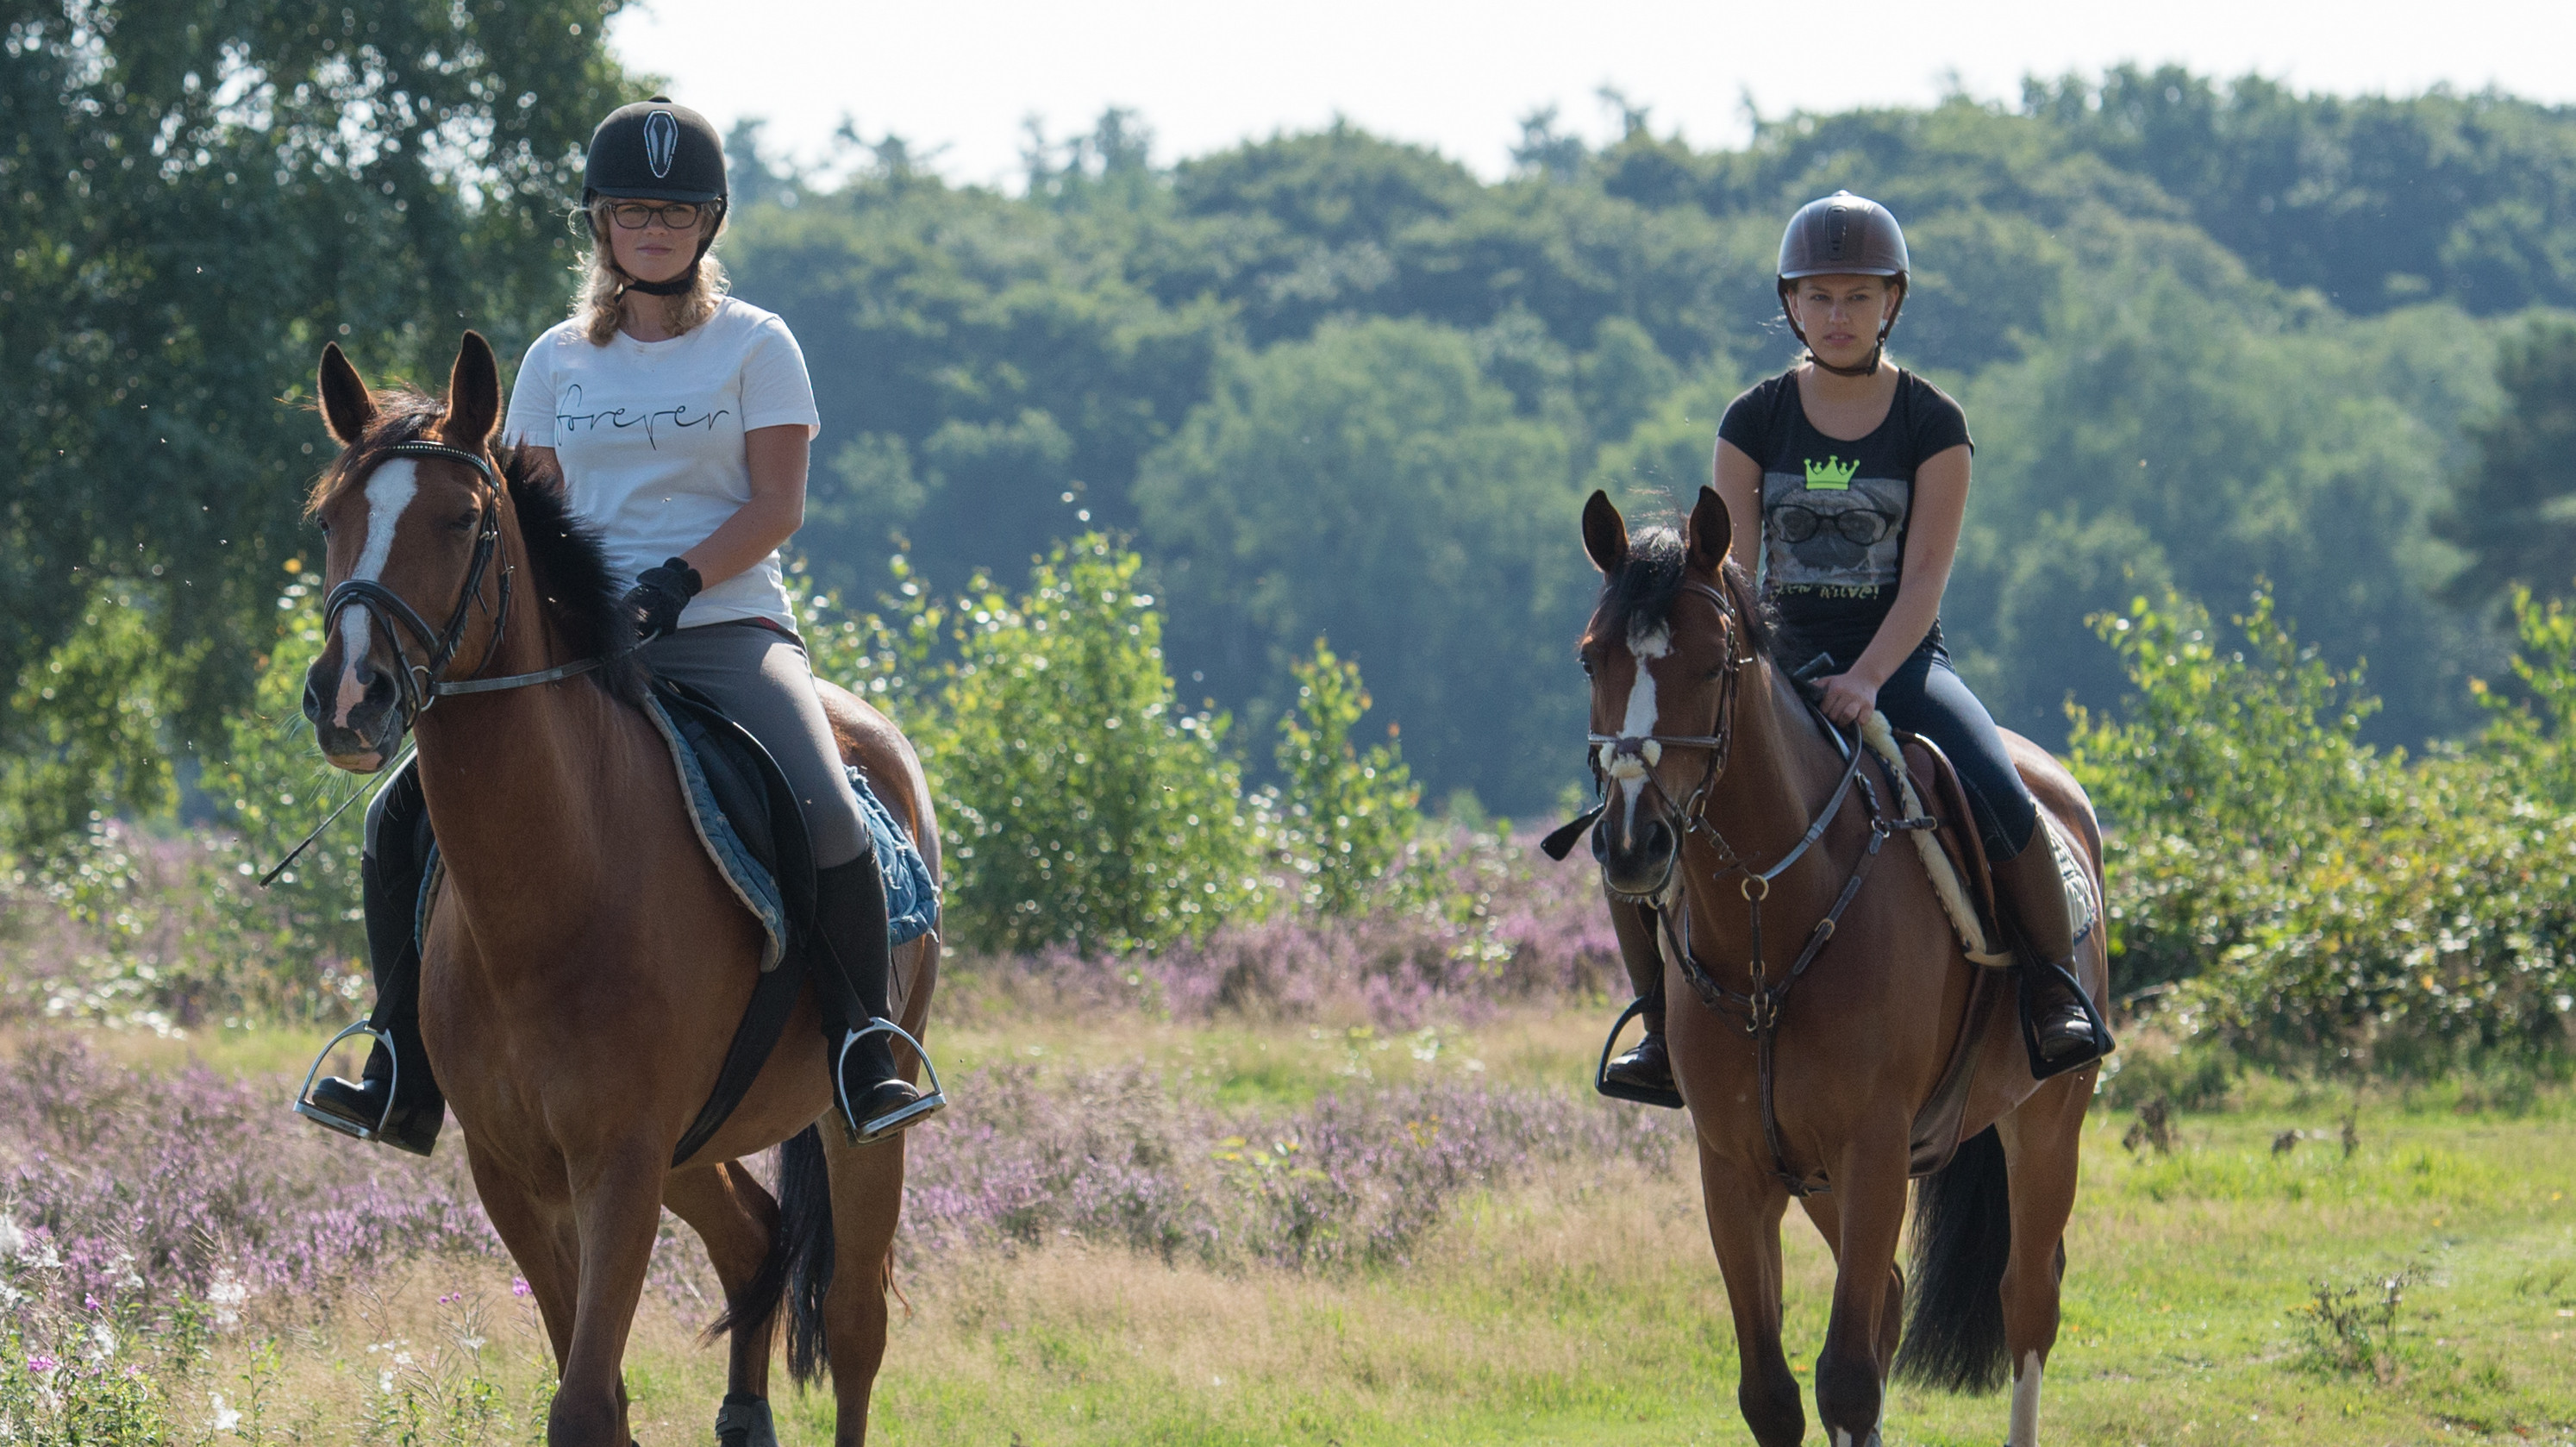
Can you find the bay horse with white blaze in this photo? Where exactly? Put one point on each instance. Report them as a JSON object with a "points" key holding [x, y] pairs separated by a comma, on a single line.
{"points": [[584, 964], [1730, 802]]}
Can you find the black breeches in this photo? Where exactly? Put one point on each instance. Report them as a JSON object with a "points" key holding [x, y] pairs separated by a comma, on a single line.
{"points": [[1926, 696]]}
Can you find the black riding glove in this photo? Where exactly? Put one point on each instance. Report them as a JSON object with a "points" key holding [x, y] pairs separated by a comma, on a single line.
{"points": [[658, 596]]}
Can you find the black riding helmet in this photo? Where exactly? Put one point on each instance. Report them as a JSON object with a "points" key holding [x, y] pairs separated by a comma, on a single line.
{"points": [[1844, 235], [657, 150]]}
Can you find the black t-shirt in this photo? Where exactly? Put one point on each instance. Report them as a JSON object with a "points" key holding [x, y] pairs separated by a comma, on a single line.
{"points": [[1834, 512]]}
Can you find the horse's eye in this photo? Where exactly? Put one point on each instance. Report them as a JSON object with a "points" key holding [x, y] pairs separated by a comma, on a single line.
{"points": [[458, 525]]}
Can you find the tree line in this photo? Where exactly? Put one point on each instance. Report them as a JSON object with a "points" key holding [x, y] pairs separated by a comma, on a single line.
{"points": [[1330, 385]]}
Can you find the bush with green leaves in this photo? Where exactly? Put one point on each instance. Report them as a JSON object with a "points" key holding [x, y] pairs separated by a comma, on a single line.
{"points": [[1080, 804], [2313, 903], [1347, 819]]}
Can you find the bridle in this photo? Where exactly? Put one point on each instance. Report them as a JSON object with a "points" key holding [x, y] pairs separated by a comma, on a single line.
{"points": [[1759, 1005], [419, 684]]}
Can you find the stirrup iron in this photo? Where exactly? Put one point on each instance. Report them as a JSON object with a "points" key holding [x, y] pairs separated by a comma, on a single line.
{"points": [[305, 1107], [1621, 1090], [870, 1132]]}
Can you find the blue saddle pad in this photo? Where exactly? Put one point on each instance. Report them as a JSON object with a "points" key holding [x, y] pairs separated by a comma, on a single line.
{"points": [[912, 896]]}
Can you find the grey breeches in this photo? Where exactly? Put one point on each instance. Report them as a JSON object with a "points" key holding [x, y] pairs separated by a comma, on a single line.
{"points": [[761, 677]]}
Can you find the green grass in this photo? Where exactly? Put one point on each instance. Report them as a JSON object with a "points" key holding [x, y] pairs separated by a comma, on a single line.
{"points": [[1586, 1308]]}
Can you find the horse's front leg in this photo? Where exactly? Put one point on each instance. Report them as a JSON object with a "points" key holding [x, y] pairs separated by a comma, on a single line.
{"points": [[1828, 1219], [617, 1206], [1744, 1209], [1851, 1371]]}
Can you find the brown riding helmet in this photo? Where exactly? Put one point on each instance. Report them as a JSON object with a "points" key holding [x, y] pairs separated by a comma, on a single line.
{"points": [[1844, 235]]}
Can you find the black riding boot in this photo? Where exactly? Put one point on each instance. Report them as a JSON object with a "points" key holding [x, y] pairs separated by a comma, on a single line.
{"points": [[389, 879], [854, 976], [1645, 1072], [2065, 1031]]}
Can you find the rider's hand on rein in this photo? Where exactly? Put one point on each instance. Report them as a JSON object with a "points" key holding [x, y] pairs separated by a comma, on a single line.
{"points": [[659, 594]]}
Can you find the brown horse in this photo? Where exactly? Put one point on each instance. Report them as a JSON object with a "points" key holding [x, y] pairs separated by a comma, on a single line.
{"points": [[1715, 772], [585, 964]]}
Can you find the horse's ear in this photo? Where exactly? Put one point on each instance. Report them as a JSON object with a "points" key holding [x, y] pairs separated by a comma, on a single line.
{"points": [[1712, 532], [347, 408], [473, 396], [1605, 533]]}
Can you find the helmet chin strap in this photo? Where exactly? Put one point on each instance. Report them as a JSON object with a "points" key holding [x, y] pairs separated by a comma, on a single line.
{"points": [[1868, 370]]}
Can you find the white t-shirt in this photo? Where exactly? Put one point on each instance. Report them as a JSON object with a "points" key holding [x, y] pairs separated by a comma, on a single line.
{"points": [[650, 438]]}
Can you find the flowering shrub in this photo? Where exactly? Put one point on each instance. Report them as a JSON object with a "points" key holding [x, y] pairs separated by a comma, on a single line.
{"points": [[1504, 925], [138, 1190], [1357, 1178]]}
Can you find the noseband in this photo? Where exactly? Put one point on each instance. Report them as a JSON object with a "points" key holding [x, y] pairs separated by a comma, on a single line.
{"points": [[418, 685]]}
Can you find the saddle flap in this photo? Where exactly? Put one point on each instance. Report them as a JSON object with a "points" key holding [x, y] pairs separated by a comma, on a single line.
{"points": [[745, 812], [1937, 784]]}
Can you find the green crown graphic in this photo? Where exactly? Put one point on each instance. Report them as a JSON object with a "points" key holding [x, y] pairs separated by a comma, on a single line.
{"points": [[1831, 475]]}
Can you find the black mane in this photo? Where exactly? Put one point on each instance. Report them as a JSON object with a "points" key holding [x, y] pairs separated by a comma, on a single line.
{"points": [[569, 577], [1640, 597]]}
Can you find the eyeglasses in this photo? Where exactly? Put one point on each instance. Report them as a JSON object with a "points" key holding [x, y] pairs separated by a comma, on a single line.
{"points": [[1859, 526], [636, 215]]}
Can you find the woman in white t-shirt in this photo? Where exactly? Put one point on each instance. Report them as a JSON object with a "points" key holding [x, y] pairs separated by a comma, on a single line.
{"points": [[681, 418]]}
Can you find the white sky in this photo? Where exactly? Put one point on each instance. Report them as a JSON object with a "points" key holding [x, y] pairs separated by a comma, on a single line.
{"points": [[965, 74]]}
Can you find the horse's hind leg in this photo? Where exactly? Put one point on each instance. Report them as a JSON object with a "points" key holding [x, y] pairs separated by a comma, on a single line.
{"points": [[867, 1202], [2040, 1140], [736, 1217], [1744, 1210]]}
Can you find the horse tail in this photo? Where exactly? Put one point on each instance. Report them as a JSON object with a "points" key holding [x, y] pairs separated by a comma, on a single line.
{"points": [[798, 1268], [1954, 1335], [803, 1249]]}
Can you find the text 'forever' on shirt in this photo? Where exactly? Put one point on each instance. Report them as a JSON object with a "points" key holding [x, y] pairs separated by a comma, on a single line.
{"points": [[650, 436]]}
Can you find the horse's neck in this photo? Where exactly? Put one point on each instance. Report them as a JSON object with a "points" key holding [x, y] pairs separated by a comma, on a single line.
{"points": [[1780, 770], [520, 783]]}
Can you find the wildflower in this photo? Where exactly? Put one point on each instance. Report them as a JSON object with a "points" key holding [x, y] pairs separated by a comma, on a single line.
{"points": [[518, 1286], [226, 1418], [227, 1296], [40, 1364]]}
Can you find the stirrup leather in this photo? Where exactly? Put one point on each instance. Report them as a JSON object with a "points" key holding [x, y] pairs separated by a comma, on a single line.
{"points": [[870, 1132], [305, 1107]]}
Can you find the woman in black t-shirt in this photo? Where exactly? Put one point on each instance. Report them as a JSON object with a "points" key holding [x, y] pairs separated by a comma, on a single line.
{"points": [[1850, 476]]}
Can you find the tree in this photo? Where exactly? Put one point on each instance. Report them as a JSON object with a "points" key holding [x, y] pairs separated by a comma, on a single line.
{"points": [[199, 193], [1372, 485], [2513, 509]]}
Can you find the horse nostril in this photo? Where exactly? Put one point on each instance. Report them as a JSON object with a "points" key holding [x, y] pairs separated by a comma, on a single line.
{"points": [[365, 673], [312, 701]]}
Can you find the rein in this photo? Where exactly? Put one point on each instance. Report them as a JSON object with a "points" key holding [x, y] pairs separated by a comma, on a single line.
{"points": [[1760, 1005]]}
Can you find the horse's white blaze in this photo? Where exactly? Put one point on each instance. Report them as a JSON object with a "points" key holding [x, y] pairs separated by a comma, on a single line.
{"points": [[1645, 647], [389, 491], [2025, 1409]]}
